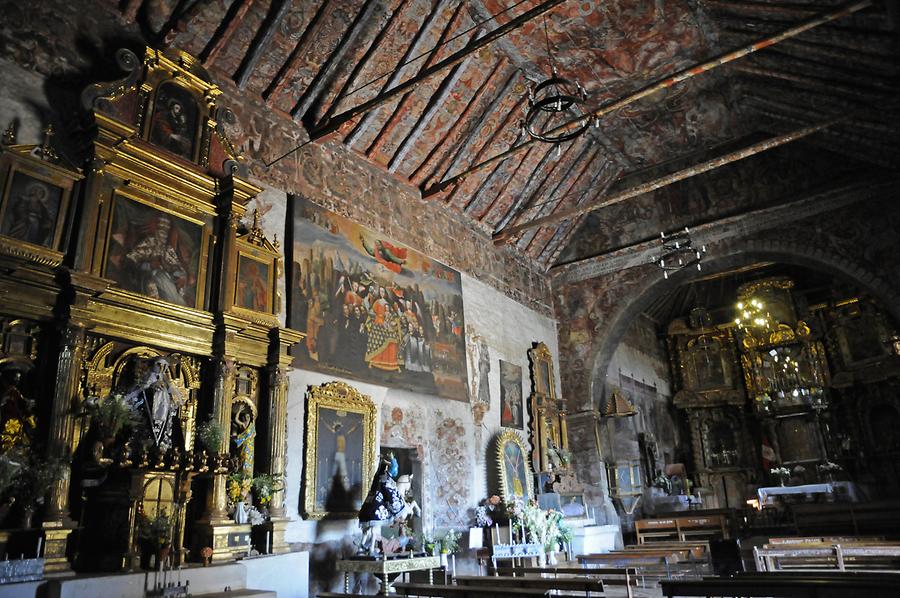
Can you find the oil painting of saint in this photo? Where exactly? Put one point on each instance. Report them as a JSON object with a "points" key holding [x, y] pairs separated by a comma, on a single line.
{"points": [[32, 210], [373, 310], [252, 285], [516, 472], [511, 407], [339, 470], [174, 123], [154, 253]]}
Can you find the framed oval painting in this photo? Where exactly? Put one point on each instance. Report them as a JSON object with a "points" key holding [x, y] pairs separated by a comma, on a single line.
{"points": [[513, 469]]}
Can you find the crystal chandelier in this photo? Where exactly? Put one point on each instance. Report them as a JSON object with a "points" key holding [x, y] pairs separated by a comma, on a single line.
{"points": [[678, 252]]}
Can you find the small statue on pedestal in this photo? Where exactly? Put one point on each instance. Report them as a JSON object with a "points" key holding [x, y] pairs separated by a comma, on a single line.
{"points": [[156, 400]]}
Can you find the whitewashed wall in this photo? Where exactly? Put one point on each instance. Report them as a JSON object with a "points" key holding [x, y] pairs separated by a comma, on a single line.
{"points": [[451, 445]]}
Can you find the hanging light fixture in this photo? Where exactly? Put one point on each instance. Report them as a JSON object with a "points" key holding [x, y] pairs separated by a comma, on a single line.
{"points": [[752, 316], [678, 252], [552, 98]]}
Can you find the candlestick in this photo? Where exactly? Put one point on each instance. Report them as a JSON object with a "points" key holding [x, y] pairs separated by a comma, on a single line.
{"points": [[269, 542], [38, 554]]}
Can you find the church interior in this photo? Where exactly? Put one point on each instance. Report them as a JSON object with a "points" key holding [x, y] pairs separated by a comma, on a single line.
{"points": [[449, 298]]}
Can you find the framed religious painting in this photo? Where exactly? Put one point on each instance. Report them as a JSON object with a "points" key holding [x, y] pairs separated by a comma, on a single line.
{"points": [[542, 378], [34, 205], [156, 251], [340, 451], [513, 471], [254, 284], [175, 123], [512, 408]]}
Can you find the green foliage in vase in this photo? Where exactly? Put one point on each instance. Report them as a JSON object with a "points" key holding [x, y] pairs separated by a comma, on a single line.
{"points": [[35, 478], [157, 530], [210, 435], [264, 485], [111, 414]]}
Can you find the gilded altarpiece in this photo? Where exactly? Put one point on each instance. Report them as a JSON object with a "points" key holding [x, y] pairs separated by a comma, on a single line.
{"points": [[548, 433], [706, 370], [165, 304]]}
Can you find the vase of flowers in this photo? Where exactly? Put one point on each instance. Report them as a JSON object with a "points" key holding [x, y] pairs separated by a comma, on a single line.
{"points": [[781, 473], [829, 470], [206, 554], [156, 536]]}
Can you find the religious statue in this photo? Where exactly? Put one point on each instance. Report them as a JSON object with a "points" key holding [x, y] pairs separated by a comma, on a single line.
{"points": [[243, 434], [340, 453], [383, 505], [156, 400]]}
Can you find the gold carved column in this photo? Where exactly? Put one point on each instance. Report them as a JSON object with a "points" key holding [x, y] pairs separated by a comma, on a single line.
{"points": [[216, 504], [278, 386], [57, 524]]}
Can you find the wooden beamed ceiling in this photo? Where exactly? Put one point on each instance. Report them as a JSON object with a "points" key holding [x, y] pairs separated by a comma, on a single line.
{"points": [[313, 59]]}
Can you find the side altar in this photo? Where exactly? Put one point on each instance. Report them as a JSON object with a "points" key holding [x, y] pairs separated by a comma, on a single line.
{"points": [[143, 367]]}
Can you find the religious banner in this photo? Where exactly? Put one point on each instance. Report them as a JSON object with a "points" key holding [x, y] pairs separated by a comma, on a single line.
{"points": [[372, 309]]}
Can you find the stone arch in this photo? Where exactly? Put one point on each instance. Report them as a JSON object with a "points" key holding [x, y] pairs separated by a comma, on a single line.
{"points": [[733, 255]]}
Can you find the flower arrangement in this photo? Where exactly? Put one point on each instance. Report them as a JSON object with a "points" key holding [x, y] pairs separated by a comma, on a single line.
{"points": [[157, 530], [545, 527], [489, 510], [210, 435], [264, 486], [828, 467], [110, 415], [780, 471], [238, 486], [450, 541]]}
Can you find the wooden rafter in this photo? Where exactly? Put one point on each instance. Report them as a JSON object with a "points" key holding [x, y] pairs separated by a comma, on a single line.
{"points": [[305, 107], [338, 120], [458, 123], [295, 58], [666, 83], [374, 45], [752, 150], [403, 105], [395, 75], [222, 36], [435, 103], [260, 44]]}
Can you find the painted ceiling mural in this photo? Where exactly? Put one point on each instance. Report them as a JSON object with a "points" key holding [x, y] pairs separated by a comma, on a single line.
{"points": [[294, 63]]}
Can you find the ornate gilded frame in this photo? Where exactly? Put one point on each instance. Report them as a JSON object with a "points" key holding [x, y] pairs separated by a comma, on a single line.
{"points": [[337, 396], [505, 438], [543, 380], [254, 247], [157, 203], [39, 164]]}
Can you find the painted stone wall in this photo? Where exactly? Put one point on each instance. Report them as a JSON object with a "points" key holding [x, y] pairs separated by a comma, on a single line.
{"points": [[857, 241]]}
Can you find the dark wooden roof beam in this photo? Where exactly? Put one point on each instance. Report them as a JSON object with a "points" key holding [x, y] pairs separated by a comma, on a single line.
{"points": [[411, 50], [338, 120], [294, 59], [306, 106], [404, 104], [455, 129], [260, 44], [374, 45], [234, 17]]}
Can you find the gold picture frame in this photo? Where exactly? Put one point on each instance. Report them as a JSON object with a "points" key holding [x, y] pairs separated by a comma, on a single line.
{"points": [[253, 282], [129, 244], [341, 422], [513, 471], [35, 203], [543, 380]]}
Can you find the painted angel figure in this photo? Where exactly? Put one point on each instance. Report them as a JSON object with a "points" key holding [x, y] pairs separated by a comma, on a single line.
{"points": [[157, 400]]}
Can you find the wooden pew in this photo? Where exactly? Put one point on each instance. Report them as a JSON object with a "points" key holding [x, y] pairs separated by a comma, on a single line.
{"points": [[456, 591], [778, 586], [610, 576], [697, 550], [646, 564], [574, 584], [682, 528], [793, 540], [871, 557], [882, 517]]}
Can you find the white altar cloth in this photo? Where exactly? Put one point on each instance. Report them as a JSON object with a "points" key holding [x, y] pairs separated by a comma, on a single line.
{"points": [[847, 489]]}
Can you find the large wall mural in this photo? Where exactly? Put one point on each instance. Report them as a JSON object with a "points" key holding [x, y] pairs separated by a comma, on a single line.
{"points": [[372, 309]]}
